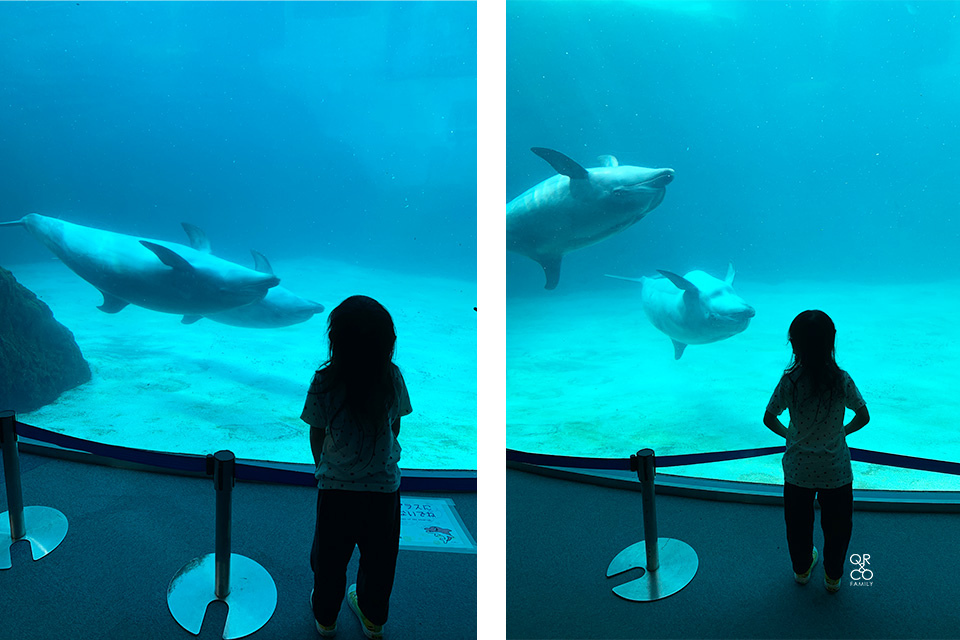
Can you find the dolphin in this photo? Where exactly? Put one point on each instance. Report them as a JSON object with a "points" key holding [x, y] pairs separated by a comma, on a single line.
{"points": [[279, 308], [579, 207], [695, 308], [157, 275]]}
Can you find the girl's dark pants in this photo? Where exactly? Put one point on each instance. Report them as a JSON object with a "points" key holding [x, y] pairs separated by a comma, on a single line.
{"points": [[370, 521], [836, 520]]}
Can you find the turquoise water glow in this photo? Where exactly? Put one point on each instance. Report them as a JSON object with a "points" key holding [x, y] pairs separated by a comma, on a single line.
{"points": [[337, 139], [815, 148]]}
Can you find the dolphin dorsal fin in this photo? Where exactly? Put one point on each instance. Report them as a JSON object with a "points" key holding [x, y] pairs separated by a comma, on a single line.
{"points": [[561, 163], [170, 258], [198, 239], [260, 262], [608, 161], [730, 273]]}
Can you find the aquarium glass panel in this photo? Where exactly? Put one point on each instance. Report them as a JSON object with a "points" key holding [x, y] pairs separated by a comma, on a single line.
{"points": [[684, 178], [312, 151]]}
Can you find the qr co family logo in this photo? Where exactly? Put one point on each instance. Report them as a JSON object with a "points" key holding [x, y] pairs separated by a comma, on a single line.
{"points": [[861, 576]]}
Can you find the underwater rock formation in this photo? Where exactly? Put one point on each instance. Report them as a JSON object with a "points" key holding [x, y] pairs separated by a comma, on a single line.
{"points": [[39, 358]]}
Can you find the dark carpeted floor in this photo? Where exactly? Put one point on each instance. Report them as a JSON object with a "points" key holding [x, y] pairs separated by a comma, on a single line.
{"points": [[561, 535], [131, 531]]}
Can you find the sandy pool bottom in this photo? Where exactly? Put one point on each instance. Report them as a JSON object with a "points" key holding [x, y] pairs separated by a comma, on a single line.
{"points": [[588, 375], [161, 385]]}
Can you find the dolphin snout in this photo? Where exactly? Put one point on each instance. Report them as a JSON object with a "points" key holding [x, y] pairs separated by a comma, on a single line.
{"points": [[748, 312], [662, 179]]}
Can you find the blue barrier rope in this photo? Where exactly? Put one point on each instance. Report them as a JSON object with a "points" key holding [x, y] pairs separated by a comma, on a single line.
{"points": [[245, 471], [623, 464]]}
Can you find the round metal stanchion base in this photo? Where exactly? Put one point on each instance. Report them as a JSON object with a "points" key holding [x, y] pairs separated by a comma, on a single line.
{"points": [[678, 566], [46, 529], [250, 603]]}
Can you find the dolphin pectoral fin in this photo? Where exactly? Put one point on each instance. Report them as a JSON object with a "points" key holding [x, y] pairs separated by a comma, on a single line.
{"points": [[14, 223], [691, 295], [198, 239], [551, 268], [561, 164], [111, 303], [261, 263], [730, 273], [190, 319], [168, 257], [608, 161], [678, 348], [679, 281]]}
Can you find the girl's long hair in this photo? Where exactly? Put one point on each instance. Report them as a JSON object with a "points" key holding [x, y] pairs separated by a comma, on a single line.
{"points": [[362, 339], [813, 336]]}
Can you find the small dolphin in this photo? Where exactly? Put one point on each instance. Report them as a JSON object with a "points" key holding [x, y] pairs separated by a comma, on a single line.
{"points": [[157, 275], [579, 207], [695, 308], [279, 308]]}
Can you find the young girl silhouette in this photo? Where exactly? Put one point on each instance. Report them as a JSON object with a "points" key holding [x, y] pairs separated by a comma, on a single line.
{"points": [[816, 461], [353, 408]]}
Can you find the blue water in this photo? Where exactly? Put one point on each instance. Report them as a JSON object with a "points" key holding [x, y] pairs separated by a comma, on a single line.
{"points": [[346, 129], [336, 138], [810, 140], [816, 148]]}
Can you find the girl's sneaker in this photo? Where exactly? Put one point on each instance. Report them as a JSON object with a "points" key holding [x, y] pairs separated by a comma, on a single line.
{"points": [[832, 585], [372, 631], [804, 578], [322, 629]]}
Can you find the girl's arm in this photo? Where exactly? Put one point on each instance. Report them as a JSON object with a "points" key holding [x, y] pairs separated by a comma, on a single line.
{"points": [[858, 421], [773, 423], [316, 443]]}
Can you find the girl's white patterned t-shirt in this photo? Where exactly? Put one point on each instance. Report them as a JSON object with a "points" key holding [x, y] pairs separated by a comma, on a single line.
{"points": [[817, 456], [355, 458]]}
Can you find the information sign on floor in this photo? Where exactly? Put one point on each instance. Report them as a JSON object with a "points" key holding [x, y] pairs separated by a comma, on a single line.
{"points": [[433, 524]]}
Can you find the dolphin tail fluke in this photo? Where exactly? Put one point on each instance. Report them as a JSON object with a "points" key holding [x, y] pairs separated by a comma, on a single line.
{"points": [[551, 268], [678, 348]]}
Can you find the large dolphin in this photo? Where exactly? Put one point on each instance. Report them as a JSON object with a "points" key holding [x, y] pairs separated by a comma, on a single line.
{"points": [[695, 308], [279, 308], [579, 207], [163, 276]]}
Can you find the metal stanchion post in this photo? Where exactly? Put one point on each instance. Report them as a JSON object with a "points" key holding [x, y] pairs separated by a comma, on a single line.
{"points": [[43, 527], [669, 565], [224, 477], [244, 585]]}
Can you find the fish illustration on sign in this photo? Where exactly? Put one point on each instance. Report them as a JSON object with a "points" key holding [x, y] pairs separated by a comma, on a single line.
{"points": [[440, 530]]}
